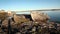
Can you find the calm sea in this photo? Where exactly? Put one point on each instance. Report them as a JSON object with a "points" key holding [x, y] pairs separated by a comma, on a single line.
{"points": [[54, 15]]}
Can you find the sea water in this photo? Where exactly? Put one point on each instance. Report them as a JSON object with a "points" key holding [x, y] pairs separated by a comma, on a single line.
{"points": [[54, 15]]}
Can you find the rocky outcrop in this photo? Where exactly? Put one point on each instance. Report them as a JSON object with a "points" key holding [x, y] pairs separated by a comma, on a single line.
{"points": [[3, 15], [39, 16]]}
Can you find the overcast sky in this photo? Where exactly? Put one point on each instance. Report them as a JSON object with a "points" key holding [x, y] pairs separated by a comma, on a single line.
{"points": [[29, 4]]}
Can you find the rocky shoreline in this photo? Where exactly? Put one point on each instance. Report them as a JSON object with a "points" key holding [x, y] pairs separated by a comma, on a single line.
{"points": [[22, 25]]}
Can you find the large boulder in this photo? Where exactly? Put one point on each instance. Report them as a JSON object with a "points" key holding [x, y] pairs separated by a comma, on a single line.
{"points": [[39, 16], [19, 19]]}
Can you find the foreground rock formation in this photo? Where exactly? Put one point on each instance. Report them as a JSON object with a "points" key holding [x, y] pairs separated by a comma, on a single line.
{"points": [[5, 16]]}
